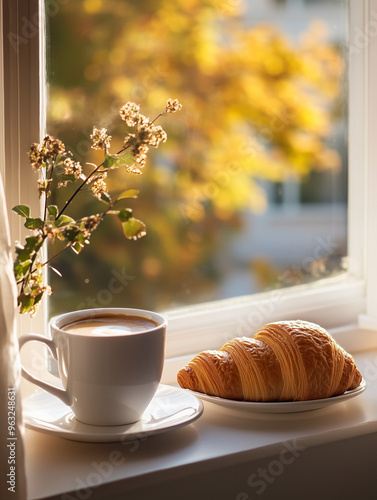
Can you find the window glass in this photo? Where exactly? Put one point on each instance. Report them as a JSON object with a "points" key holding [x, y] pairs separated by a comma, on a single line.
{"points": [[249, 193]]}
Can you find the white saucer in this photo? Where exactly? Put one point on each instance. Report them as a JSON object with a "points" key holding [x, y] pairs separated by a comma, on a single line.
{"points": [[281, 406], [170, 409]]}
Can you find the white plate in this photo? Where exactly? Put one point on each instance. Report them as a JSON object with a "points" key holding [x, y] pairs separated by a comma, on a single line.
{"points": [[281, 406], [170, 409]]}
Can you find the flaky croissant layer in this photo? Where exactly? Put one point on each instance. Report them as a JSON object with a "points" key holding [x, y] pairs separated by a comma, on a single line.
{"points": [[284, 361]]}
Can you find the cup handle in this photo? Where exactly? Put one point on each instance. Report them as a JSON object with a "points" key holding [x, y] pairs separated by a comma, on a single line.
{"points": [[60, 393]]}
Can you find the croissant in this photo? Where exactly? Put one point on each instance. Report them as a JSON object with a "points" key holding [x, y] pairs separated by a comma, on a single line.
{"points": [[284, 361]]}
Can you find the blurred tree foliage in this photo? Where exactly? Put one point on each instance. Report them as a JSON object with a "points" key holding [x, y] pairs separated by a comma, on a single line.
{"points": [[256, 107]]}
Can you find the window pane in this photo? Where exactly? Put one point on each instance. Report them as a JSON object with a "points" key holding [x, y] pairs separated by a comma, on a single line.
{"points": [[249, 193]]}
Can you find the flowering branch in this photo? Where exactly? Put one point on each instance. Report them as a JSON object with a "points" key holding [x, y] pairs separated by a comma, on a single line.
{"points": [[58, 169]]}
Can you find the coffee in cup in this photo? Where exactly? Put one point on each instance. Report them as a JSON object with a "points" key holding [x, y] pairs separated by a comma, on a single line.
{"points": [[110, 324], [110, 362]]}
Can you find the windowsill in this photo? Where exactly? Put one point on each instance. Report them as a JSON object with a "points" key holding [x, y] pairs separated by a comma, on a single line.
{"points": [[171, 464]]}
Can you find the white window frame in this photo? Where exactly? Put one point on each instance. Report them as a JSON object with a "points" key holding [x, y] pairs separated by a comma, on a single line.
{"points": [[336, 303], [21, 123]]}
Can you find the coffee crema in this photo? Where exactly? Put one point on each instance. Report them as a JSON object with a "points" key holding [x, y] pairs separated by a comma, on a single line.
{"points": [[110, 324]]}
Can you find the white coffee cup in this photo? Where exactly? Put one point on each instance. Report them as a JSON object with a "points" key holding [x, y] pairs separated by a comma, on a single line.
{"points": [[109, 375]]}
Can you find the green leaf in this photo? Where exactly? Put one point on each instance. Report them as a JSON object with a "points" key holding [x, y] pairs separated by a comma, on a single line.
{"points": [[105, 197], [23, 210], [25, 302], [118, 160], [134, 228], [129, 193], [33, 244], [125, 214], [38, 297], [34, 223], [71, 233], [33, 241], [21, 268], [61, 175], [63, 220], [53, 211], [24, 254]]}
